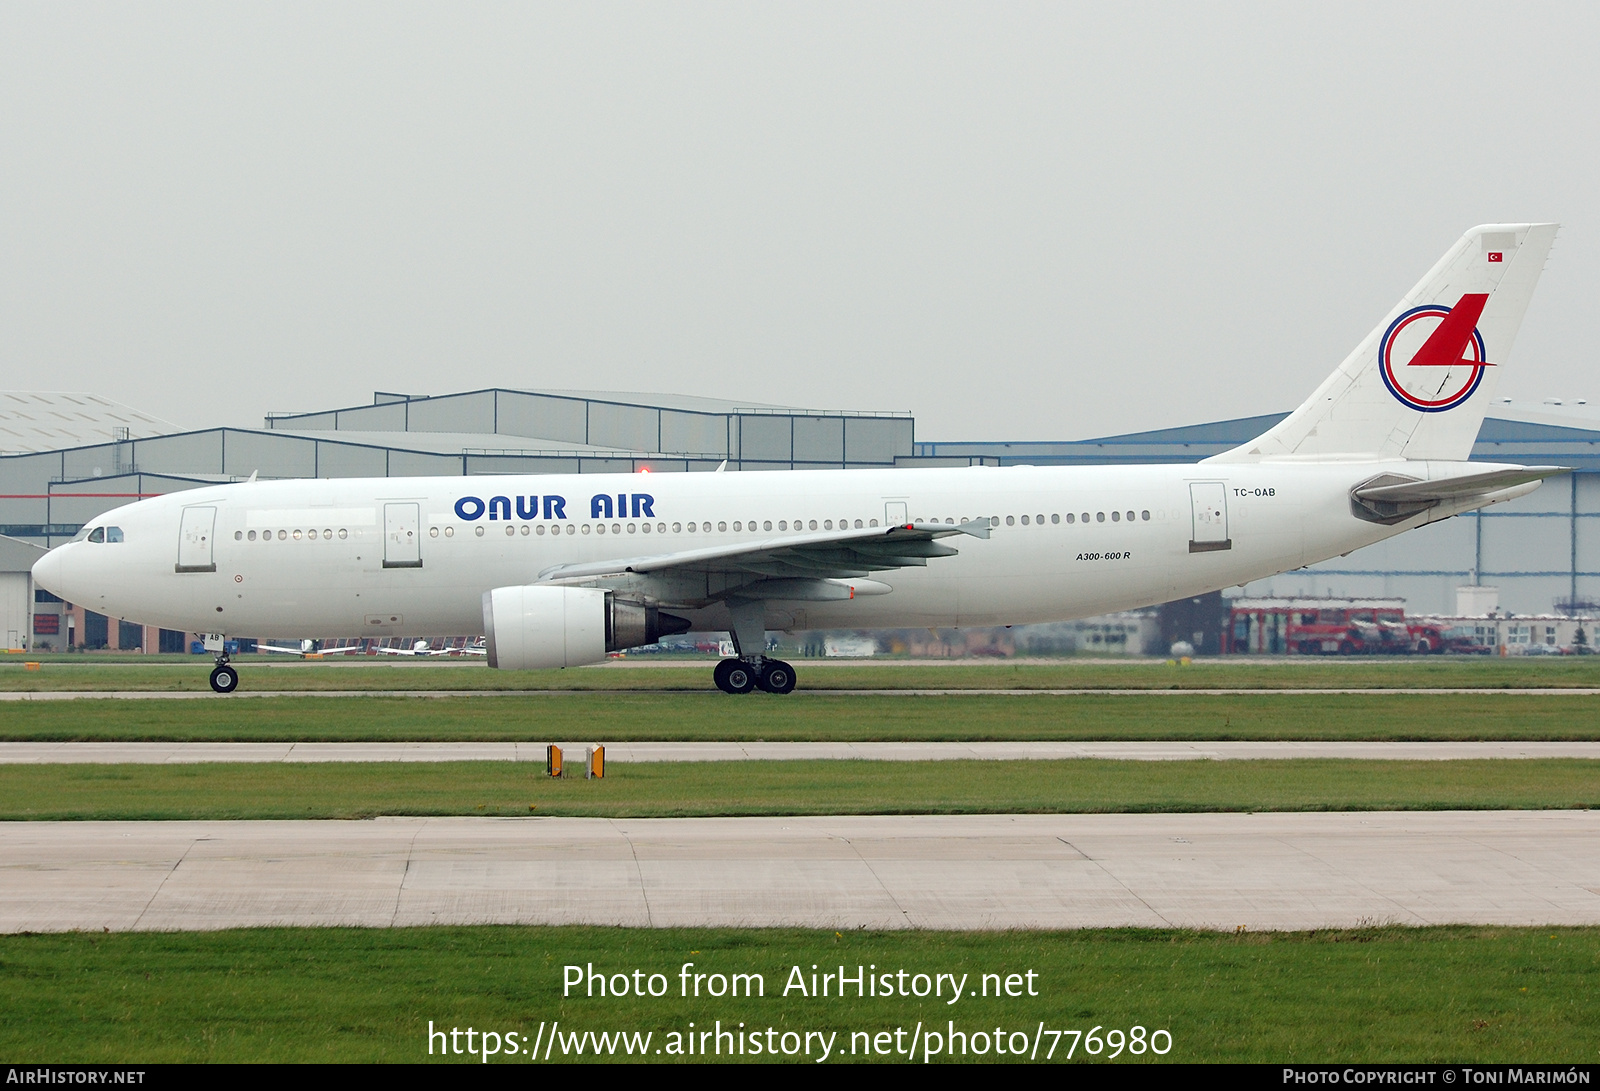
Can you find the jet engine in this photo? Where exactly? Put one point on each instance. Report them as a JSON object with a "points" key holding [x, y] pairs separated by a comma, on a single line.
{"points": [[538, 627]]}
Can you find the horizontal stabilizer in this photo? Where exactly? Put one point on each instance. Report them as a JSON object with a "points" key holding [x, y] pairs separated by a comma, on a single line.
{"points": [[1452, 488]]}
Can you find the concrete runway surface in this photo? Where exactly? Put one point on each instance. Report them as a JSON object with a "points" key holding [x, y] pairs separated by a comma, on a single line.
{"points": [[180, 753], [1218, 871], [433, 694]]}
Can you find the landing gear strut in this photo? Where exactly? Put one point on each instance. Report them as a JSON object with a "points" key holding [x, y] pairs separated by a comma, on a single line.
{"points": [[224, 679], [750, 668], [747, 673]]}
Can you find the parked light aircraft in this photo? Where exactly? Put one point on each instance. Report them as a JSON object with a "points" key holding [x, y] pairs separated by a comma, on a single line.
{"points": [[557, 570]]}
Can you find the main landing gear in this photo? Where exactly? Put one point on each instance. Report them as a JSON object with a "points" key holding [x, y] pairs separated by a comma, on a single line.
{"points": [[751, 669], [224, 678], [745, 674]]}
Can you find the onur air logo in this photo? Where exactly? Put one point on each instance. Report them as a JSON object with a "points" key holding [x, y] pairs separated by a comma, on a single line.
{"points": [[1432, 357]]}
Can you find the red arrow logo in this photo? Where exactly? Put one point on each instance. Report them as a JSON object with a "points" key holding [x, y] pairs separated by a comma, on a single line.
{"points": [[1447, 345]]}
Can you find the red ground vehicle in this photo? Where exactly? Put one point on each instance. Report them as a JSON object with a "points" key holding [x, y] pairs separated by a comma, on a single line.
{"points": [[1328, 626]]}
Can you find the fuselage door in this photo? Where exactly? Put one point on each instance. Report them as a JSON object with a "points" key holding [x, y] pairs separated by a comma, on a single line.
{"points": [[402, 538], [1209, 500], [894, 513], [195, 534]]}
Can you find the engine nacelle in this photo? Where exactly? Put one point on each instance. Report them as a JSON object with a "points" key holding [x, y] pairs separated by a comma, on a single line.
{"points": [[540, 627]]}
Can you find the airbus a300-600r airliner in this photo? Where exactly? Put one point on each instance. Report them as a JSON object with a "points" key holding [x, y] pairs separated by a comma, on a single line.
{"points": [[559, 570]]}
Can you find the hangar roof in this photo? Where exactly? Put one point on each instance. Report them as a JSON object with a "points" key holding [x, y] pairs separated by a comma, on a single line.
{"points": [[685, 403], [39, 420], [455, 443], [17, 555]]}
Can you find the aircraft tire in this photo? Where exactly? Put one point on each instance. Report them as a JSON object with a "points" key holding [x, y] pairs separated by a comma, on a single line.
{"points": [[734, 676], [778, 677], [224, 679]]}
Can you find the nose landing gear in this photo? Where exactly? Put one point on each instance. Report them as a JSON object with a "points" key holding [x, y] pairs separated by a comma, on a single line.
{"points": [[224, 679]]}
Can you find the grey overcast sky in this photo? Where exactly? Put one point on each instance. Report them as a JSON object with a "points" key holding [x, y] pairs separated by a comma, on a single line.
{"points": [[1017, 221]]}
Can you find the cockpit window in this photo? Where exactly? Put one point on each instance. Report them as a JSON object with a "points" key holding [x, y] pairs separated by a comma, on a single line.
{"points": [[113, 534], [97, 535]]}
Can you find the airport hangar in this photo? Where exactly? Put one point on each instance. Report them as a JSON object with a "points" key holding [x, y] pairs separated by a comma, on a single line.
{"points": [[66, 458]]}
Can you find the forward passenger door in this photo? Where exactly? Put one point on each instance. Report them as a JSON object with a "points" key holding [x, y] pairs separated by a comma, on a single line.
{"points": [[402, 538], [195, 534]]}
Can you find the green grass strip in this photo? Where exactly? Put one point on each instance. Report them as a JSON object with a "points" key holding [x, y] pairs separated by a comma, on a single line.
{"points": [[682, 789], [1382, 994], [618, 717], [189, 674]]}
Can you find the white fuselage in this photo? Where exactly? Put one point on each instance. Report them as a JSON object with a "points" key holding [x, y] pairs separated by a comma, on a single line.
{"points": [[308, 557]]}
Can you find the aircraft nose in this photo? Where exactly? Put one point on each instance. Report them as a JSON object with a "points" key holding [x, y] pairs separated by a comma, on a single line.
{"points": [[50, 572]]}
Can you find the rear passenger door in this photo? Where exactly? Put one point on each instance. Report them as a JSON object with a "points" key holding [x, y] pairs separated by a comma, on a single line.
{"points": [[1209, 504]]}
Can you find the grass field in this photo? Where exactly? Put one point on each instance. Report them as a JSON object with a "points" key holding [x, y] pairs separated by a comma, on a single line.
{"points": [[617, 717], [684, 789], [189, 674], [1385, 994], [357, 995]]}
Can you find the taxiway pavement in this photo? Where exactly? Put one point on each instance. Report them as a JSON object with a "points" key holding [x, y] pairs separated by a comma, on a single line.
{"points": [[1217, 871], [798, 694]]}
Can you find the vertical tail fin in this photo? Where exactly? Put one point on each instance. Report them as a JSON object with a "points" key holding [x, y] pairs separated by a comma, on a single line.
{"points": [[1417, 387]]}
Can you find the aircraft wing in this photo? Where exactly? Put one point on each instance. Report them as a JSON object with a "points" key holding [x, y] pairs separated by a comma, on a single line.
{"points": [[824, 555], [470, 649]]}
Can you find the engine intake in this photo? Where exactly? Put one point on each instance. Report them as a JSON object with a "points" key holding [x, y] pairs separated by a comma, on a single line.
{"points": [[540, 627]]}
